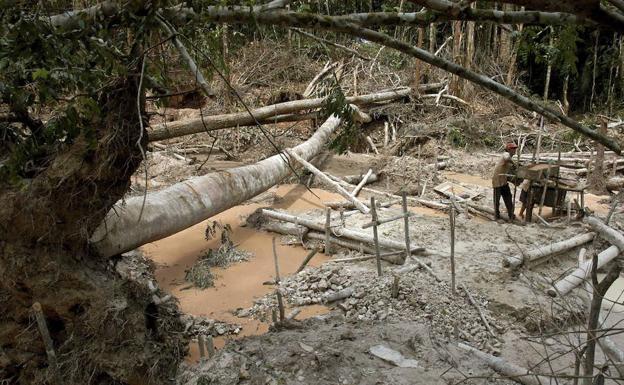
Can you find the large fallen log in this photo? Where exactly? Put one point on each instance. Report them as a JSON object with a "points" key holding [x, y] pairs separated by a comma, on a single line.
{"points": [[547, 251], [140, 220], [507, 369], [217, 122], [580, 274], [341, 232]]}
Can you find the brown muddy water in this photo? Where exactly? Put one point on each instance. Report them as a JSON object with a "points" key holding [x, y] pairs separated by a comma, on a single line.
{"points": [[239, 284]]}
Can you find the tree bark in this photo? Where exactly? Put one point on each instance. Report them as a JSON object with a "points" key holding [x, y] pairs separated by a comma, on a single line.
{"points": [[135, 222], [547, 251]]}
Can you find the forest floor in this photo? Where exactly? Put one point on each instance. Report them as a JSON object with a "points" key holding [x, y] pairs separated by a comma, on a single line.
{"points": [[341, 342]]}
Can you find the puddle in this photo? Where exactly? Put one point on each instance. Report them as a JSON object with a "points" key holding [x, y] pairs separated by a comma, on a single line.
{"points": [[238, 285]]}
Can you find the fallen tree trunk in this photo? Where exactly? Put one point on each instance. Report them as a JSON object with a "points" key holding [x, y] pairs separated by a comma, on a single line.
{"points": [[357, 178], [217, 122], [364, 180], [507, 369], [357, 246], [140, 220], [581, 273], [339, 189], [610, 234], [547, 251], [344, 232]]}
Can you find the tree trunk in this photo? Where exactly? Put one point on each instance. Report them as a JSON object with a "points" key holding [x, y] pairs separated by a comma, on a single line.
{"points": [[549, 68], [140, 220], [210, 123], [547, 251], [456, 82], [580, 274], [566, 102], [596, 179]]}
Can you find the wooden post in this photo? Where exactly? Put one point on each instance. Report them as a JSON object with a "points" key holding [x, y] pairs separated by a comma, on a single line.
{"points": [[280, 302], [202, 348], [452, 222], [342, 217], [541, 206], [47, 342], [386, 134], [373, 210], [209, 346], [530, 202], [395, 287], [307, 259], [406, 226], [327, 231]]}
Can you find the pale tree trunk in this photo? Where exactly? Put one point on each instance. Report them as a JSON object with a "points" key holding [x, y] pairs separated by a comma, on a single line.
{"points": [[418, 65], [594, 71], [596, 179], [456, 83], [549, 69], [226, 66], [139, 220], [511, 72], [470, 47], [432, 38], [505, 37], [566, 102]]}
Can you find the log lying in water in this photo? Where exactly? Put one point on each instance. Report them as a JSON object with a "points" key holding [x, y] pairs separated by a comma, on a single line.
{"points": [[548, 250], [140, 220], [217, 122]]}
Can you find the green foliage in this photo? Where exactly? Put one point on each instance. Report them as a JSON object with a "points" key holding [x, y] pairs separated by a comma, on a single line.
{"points": [[58, 74], [336, 104], [456, 137]]}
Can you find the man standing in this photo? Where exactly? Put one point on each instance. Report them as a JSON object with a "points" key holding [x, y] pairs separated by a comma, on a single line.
{"points": [[499, 181]]}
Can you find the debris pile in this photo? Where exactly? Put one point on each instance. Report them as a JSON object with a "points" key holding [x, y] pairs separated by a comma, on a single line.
{"points": [[366, 297], [197, 325]]}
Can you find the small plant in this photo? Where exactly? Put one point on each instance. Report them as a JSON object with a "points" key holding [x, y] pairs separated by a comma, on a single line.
{"points": [[456, 138]]}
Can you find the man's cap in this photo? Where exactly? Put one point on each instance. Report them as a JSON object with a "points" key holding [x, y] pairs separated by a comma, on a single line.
{"points": [[511, 146]]}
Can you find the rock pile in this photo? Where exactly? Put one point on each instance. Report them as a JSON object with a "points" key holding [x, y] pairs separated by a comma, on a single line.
{"points": [[196, 325], [362, 296]]}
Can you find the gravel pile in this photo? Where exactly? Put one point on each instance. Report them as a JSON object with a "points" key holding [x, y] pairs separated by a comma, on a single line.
{"points": [[196, 325], [419, 298]]}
